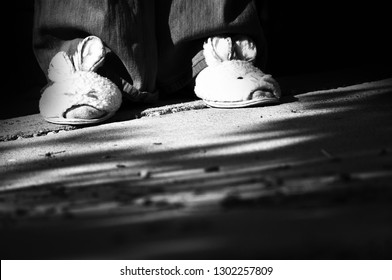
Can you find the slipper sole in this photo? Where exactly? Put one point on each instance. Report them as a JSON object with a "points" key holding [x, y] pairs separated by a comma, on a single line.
{"points": [[70, 121], [241, 104]]}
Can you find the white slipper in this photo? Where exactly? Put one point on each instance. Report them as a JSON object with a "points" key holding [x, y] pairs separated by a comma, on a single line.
{"points": [[77, 95], [231, 80]]}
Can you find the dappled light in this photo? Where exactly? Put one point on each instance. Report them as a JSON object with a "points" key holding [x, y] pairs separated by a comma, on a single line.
{"points": [[322, 151]]}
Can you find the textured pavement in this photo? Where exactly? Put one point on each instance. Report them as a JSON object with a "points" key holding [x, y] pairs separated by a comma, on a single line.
{"points": [[308, 178]]}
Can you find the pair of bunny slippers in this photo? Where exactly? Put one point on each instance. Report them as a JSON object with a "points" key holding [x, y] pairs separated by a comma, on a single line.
{"points": [[77, 95]]}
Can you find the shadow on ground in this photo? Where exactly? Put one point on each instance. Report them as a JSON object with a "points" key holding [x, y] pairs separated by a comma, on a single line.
{"points": [[307, 179]]}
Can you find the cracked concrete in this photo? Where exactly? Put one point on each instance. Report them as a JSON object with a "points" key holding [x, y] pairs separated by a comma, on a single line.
{"points": [[35, 125]]}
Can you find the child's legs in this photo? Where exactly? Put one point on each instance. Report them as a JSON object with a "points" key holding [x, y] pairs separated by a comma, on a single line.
{"points": [[182, 26], [137, 30], [126, 27]]}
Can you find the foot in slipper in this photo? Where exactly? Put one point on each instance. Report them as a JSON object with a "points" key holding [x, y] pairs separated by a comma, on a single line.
{"points": [[231, 80], [76, 94]]}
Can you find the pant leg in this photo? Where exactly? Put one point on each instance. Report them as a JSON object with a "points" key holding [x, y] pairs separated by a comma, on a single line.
{"points": [[126, 27], [182, 27]]}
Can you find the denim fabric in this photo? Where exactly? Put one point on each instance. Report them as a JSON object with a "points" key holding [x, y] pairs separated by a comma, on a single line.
{"points": [[152, 44]]}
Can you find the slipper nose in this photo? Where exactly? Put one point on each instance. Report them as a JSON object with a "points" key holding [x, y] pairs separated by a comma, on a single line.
{"points": [[259, 94], [267, 88], [273, 86], [84, 111]]}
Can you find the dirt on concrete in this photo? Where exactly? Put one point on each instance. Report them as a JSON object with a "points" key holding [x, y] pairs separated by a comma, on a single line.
{"points": [[309, 178]]}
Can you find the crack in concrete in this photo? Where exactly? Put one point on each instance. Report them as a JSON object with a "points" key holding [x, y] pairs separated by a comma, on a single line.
{"points": [[35, 126]]}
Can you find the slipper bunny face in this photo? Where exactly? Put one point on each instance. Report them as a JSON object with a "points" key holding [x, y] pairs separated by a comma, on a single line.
{"points": [[231, 80], [235, 81], [77, 92]]}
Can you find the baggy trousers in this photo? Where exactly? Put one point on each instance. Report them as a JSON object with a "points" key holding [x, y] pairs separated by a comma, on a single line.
{"points": [[152, 45]]}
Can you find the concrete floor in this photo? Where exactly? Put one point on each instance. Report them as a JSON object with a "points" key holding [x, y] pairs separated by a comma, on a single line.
{"points": [[309, 178]]}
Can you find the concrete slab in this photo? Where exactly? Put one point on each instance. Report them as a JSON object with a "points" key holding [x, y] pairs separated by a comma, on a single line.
{"points": [[309, 178]]}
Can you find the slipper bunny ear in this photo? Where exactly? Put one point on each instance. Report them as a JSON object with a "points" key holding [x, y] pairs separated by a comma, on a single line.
{"points": [[217, 49], [244, 48], [90, 54], [60, 67]]}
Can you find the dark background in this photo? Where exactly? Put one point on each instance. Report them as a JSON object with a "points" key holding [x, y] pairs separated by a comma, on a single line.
{"points": [[303, 37]]}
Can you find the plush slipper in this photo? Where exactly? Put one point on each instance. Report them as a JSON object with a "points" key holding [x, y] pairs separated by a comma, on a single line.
{"points": [[76, 94], [231, 80]]}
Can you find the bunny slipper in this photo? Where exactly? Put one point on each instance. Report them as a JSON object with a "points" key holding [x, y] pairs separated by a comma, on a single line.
{"points": [[231, 80], [76, 94]]}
